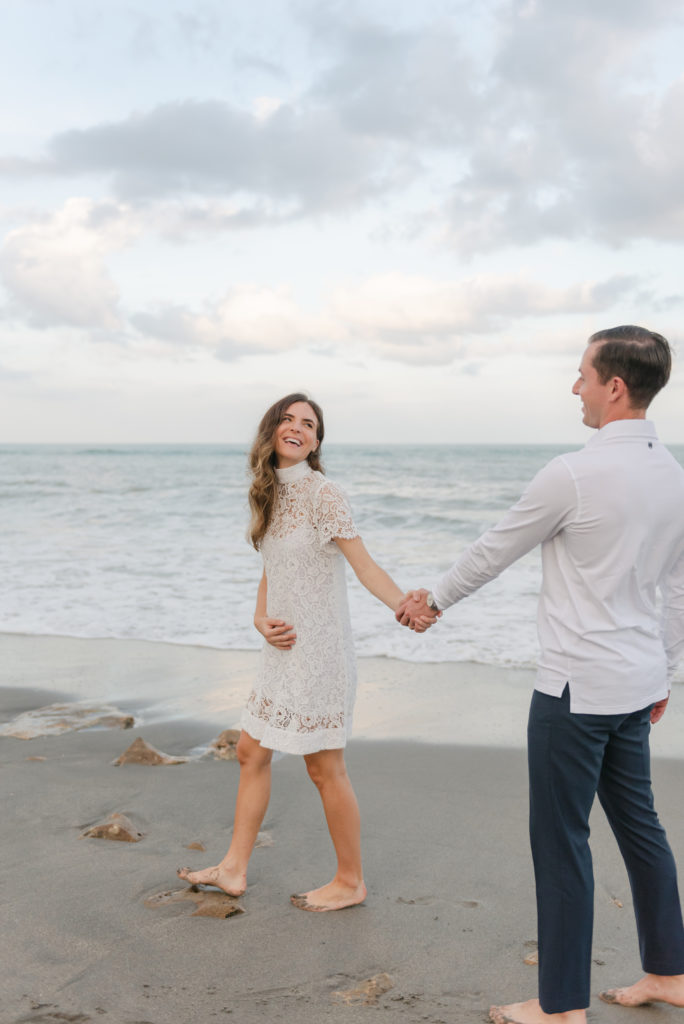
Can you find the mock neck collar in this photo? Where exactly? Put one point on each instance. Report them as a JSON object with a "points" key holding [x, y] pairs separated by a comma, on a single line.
{"points": [[292, 473]]}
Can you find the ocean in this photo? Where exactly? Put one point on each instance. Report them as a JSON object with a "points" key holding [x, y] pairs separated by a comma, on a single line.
{"points": [[148, 542]]}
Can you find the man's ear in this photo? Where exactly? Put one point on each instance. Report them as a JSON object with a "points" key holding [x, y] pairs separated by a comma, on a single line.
{"points": [[618, 390]]}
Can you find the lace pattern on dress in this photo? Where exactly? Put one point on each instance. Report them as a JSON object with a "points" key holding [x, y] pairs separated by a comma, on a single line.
{"points": [[316, 502], [303, 698], [285, 718], [332, 514]]}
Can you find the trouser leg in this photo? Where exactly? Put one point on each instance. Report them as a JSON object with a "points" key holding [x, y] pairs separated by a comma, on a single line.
{"points": [[626, 796], [564, 755]]}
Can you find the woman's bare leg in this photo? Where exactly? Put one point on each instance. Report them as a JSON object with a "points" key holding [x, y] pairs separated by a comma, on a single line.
{"points": [[254, 791], [329, 774]]}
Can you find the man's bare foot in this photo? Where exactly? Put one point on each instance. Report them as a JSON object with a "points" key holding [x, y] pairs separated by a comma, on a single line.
{"points": [[653, 988], [530, 1012], [234, 884], [333, 896]]}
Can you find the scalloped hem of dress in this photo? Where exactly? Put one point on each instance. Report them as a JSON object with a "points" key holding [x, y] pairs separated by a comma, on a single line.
{"points": [[292, 742]]}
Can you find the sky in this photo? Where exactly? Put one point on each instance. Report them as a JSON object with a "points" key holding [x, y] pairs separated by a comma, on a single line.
{"points": [[417, 212]]}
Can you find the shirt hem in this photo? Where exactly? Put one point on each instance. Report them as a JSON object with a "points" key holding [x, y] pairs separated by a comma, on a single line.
{"points": [[580, 707]]}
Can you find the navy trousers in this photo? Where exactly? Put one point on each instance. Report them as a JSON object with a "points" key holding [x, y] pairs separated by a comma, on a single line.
{"points": [[572, 758]]}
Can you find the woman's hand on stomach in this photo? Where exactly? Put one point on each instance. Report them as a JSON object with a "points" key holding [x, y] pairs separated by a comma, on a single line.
{"points": [[276, 632]]}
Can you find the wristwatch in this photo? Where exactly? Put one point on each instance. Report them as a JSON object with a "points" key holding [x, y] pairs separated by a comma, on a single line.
{"points": [[430, 601]]}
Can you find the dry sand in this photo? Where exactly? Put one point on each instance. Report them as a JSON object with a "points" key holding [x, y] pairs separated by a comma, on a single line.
{"points": [[449, 917]]}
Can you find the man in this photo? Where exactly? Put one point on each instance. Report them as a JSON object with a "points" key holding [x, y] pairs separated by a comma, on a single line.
{"points": [[610, 519]]}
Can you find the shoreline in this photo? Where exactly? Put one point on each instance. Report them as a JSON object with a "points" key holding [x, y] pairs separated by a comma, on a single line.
{"points": [[439, 702], [462, 703]]}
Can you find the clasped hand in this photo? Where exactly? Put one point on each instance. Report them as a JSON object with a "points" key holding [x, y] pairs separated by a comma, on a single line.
{"points": [[276, 631], [415, 612]]}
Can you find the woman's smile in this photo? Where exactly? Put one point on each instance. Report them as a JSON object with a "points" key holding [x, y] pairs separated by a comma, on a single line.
{"points": [[296, 435]]}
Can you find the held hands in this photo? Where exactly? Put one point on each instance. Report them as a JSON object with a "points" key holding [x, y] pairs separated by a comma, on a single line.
{"points": [[415, 612], [276, 632]]}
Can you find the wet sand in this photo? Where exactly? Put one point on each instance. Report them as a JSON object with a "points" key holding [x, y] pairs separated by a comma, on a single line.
{"points": [[99, 930]]}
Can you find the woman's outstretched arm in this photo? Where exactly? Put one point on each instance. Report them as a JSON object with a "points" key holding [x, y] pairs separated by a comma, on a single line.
{"points": [[374, 579]]}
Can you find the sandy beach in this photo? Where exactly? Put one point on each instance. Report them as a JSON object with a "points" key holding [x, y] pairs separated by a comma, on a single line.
{"points": [[93, 931]]}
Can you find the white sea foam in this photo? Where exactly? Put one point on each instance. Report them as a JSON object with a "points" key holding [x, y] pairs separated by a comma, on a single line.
{"points": [[148, 542]]}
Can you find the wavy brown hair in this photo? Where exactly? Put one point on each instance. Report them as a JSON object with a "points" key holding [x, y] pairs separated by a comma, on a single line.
{"points": [[263, 492]]}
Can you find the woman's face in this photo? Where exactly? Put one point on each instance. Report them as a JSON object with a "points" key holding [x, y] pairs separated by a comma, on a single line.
{"points": [[295, 435]]}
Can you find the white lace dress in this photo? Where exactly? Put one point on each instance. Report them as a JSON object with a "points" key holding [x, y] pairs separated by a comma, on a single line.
{"points": [[303, 698]]}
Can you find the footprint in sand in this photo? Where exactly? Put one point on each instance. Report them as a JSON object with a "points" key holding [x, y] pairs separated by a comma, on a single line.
{"points": [[366, 992], [207, 904], [54, 1016], [531, 957], [264, 839], [427, 900]]}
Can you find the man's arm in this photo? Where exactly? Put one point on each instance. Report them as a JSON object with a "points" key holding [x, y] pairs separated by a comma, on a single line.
{"points": [[547, 504], [673, 615]]}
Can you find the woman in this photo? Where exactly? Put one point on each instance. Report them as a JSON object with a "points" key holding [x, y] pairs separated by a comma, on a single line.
{"points": [[303, 698]]}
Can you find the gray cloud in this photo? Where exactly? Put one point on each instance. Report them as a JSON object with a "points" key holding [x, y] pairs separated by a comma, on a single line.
{"points": [[420, 85], [248, 61], [576, 143], [302, 161], [200, 27], [171, 323], [554, 126], [564, 135]]}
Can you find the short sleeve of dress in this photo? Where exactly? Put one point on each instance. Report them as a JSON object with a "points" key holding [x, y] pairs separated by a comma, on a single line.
{"points": [[332, 514]]}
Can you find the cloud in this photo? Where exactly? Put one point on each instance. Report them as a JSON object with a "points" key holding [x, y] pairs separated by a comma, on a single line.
{"points": [[418, 85], [397, 317], [54, 267], [9, 374], [416, 319], [247, 320], [518, 122], [199, 27], [299, 160], [577, 143], [557, 127]]}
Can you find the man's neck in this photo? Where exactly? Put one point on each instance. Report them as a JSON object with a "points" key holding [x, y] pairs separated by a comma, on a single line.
{"points": [[628, 413]]}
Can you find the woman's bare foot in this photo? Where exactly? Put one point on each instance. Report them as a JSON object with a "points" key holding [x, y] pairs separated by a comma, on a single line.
{"points": [[530, 1012], [232, 883], [653, 988], [333, 896]]}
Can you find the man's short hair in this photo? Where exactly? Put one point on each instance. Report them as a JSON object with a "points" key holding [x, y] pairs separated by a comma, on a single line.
{"points": [[641, 358]]}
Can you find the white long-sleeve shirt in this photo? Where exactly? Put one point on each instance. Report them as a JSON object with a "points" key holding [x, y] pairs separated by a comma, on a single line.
{"points": [[610, 520]]}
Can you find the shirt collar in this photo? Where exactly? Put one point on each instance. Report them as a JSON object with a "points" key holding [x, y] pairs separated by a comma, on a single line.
{"points": [[625, 428], [292, 473]]}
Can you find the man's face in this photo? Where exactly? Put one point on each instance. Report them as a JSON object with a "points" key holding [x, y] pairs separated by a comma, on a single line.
{"points": [[593, 393]]}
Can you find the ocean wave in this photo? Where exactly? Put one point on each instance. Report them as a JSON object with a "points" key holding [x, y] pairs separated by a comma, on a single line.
{"points": [[125, 543]]}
